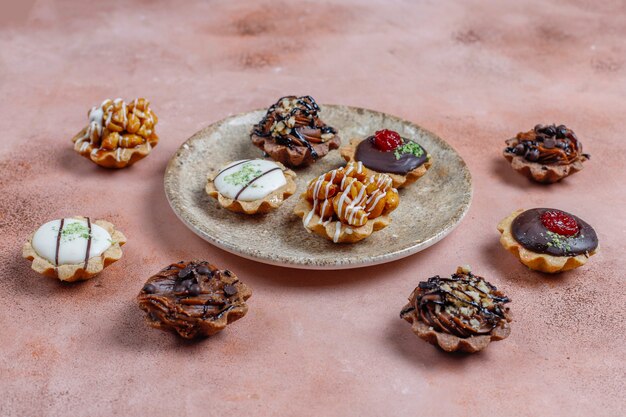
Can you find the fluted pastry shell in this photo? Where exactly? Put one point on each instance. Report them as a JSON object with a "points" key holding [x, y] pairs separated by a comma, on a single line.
{"points": [[270, 202], [543, 173], [347, 233], [77, 272], [450, 342], [118, 158], [399, 181], [537, 261]]}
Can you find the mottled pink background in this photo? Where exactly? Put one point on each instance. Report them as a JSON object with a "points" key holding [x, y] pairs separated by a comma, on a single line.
{"points": [[313, 343]]}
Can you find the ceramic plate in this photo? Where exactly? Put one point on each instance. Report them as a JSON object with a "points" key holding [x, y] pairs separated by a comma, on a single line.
{"points": [[429, 209]]}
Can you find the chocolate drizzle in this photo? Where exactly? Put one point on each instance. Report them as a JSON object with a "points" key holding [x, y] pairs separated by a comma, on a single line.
{"points": [[232, 166], [463, 305], [253, 180], [58, 246], [528, 230], [88, 244], [387, 162]]}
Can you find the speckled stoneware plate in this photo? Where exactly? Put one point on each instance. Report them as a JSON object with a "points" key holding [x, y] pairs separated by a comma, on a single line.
{"points": [[429, 209]]}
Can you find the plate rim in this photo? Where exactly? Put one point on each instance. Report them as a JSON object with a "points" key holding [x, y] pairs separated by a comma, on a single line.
{"points": [[378, 260]]}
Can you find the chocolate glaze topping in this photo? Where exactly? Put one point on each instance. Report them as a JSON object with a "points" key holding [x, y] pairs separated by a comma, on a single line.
{"points": [[463, 305], [381, 161], [529, 231], [88, 243], [192, 297], [295, 125], [58, 247], [548, 145]]}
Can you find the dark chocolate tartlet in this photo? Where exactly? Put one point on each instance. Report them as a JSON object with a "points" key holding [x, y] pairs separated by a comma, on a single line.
{"points": [[292, 132], [546, 154], [460, 313], [548, 240], [386, 152], [195, 299]]}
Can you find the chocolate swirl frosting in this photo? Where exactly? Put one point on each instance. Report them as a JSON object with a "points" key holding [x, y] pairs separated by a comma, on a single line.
{"points": [[294, 122], [463, 305], [548, 145]]}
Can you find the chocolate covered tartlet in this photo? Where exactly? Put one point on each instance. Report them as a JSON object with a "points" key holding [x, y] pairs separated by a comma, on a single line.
{"points": [[293, 134], [461, 313], [546, 154], [194, 299], [387, 152], [118, 134], [548, 240]]}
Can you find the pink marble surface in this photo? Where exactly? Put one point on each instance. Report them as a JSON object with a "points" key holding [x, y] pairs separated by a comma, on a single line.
{"points": [[313, 343]]}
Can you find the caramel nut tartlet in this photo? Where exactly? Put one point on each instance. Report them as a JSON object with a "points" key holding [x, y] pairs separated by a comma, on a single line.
{"points": [[546, 154], [251, 186], [388, 153], [73, 249], [118, 134], [548, 240], [195, 299], [293, 134], [347, 204], [461, 313]]}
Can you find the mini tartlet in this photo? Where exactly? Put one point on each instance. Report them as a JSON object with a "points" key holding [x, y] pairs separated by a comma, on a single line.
{"points": [[461, 313], [292, 133], [546, 154], [194, 299], [118, 134], [388, 153], [347, 204], [251, 186], [548, 240], [73, 249]]}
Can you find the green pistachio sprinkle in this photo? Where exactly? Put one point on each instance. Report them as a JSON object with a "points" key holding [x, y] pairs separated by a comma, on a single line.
{"points": [[409, 147], [559, 241], [73, 231], [244, 175]]}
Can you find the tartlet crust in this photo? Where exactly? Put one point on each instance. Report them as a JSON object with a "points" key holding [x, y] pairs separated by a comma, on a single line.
{"points": [[119, 158], [450, 342], [543, 173], [399, 181], [537, 261], [347, 234], [270, 202], [77, 272]]}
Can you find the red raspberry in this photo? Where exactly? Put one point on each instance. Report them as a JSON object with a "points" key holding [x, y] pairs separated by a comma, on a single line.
{"points": [[387, 140], [559, 222]]}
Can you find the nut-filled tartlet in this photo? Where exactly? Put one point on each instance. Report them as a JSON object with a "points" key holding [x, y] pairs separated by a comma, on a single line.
{"points": [[251, 186], [292, 133], [118, 134], [347, 204], [548, 240], [461, 313], [73, 249], [194, 299], [386, 152], [546, 154]]}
